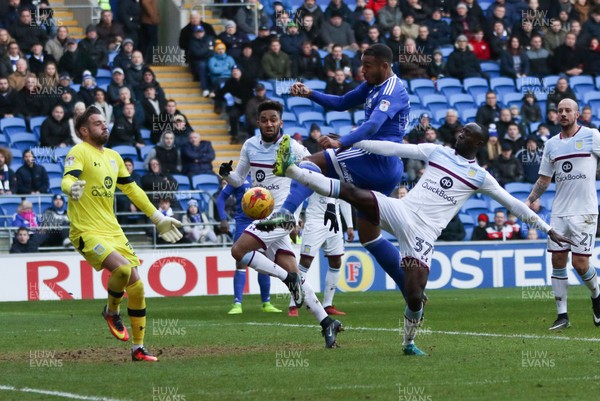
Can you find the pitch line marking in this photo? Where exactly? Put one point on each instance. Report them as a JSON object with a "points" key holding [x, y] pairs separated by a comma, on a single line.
{"points": [[57, 394]]}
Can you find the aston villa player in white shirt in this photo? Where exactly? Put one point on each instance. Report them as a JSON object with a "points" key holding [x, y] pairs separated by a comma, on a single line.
{"points": [[571, 157], [416, 220]]}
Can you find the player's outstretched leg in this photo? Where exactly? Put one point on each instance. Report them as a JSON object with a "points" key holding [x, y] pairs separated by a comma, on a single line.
{"points": [[137, 314], [559, 288], [416, 279], [264, 282], [239, 282], [590, 279]]}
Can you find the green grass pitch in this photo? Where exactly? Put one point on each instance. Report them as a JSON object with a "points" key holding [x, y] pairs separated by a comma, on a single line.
{"points": [[482, 344]]}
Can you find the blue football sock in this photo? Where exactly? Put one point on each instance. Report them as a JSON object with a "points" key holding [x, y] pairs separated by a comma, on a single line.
{"points": [[389, 258], [239, 282], [298, 192], [264, 281]]}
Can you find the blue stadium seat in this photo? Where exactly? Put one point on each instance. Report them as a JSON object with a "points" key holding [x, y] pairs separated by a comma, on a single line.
{"points": [[502, 85], [533, 127], [592, 99], [514, 98], [75, 87], [126, 151], [439, 116], [474, 207], [326, 130], [582, 83], [9, 206], [414, 101], [435, 102], [528, 84], [469, 232], [23, 141], [350, 53], [296, 129], [206, 182], [183, 182], [55, 185], [468, 115], [268, 85], [491, 68], [61, 153], [323, 53], [103, 73], [4, 141], [36, 122], [143, 153], [9, 125], [316, 84], [466, 219], [494, 205], [446, 50], [309, 117], [299, 105], [43, 154], [422, 86], [338, 119], [480, 99], [358, 116], [449, 86], [146, 133], [289, 117], [550, 81], [475, 86], [519, 190], [345, 130], [461, 101]]}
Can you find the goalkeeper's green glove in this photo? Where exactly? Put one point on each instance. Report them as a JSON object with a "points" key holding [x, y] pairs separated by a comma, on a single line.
{"points": [[167, 227]]}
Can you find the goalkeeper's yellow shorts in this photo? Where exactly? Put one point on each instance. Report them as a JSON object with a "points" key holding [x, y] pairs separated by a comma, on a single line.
{"points": [[95, 248]]}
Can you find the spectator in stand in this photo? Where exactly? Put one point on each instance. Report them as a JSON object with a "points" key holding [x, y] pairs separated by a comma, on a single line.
{"points": [[561, 91], [503, 122], [489, 112], [26, 32], [94, 47], [543, 213], [8, 60], [23, 242], [568, 58], [186, 35], [11, 13], [506, 167], [312, 33], [361, 27], [400, 192], [196, 225], [159, 182], [524, 30], [199, 52], [260, 45], [582, 38], [339, 86], [128, 14], [123, 58], [281, 22], [531, 158], [149, 20], [8, 99], [439, 31], [67, 101], [498, 40], [32, 178], [249, 63], [219, 67], [538, 58], [166, 122], [152, 106], [437, 68], [530, 110], [292, 39], [182, 130], [376, 5], [308, 64], [418, 8], [39, 59], [57, 46], [310, 7], [431, 136], [543, 133], [109, 30], [480, 47], [532, 235], [499, 230], [357, 14], [462, 62], [64, 82], [336, 30], [409, 28], [78, 110], [55, 223], [167, 153], [412, 62], [115, 85], [424, 43], [101, 104], [274, 8], [124, 205], [233, 39], [126, 130], [75, 61], [585, 119], [499, 13], [591, 27], [49, 80], [246, 17], [462, 24], [552, 120], [197, 156], [338, 6], [32, 102], [448, 130], [374, 36], [514, 138], [17, 79], [55, 131], [88, 86], [8, 180], [480, 231], [513, 226], [251, 111], [276, 64], [312, 142], [336, 60], [489, 153], [592, 58], [389, 15], [395, 42], [555, 36], [241, 87], [417, 134], [454, 231], [134, 75]]}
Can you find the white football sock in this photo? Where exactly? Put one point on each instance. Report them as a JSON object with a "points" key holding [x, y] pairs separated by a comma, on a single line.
{"points": [[317, 182], [590, 279], [560, 283], [411, 324], [331, 280], [262, 264], [312, 302]]}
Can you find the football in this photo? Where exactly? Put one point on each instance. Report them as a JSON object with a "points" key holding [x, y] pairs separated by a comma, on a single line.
{"points": [[258, 203]]}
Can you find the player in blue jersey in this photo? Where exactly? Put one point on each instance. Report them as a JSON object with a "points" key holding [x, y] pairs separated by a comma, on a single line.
{"points": [[387, 112], [241, 222], [417, 219]]}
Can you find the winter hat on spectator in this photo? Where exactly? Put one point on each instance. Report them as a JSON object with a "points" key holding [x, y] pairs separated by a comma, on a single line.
{"points": [[492, 130], [64, 75], [461, 5], [192, 202], [221, 46], [230, 24], [118, 70], [259, 87], [506, 146], [292, 24], [87, 74], [127, 41], [179, 118], [263, 28], [71, 41], [198, 28], [438, 51], [58, 196], [297, 136], [91, 28], [483, 217]]}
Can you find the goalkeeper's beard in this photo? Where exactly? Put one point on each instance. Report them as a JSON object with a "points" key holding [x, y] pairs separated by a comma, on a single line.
{"points": [[100, 140]]}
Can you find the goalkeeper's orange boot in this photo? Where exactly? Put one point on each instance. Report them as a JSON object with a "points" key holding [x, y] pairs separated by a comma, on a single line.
{"points": [[115, 324], [140, 354]]}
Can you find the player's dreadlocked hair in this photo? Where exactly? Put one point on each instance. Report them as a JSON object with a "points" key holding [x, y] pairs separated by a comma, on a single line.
{"points": [[83, 119], [270, 105], [380, 52]]}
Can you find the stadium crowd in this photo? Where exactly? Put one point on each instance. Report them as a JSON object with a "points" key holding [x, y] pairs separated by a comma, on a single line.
{"points": [[47, 77]]}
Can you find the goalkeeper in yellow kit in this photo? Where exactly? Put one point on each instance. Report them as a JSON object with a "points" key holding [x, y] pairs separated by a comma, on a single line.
{"points": [[91, 175]]}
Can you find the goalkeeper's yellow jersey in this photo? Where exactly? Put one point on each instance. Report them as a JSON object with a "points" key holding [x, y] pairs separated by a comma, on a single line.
{"points": [[103, 171]]}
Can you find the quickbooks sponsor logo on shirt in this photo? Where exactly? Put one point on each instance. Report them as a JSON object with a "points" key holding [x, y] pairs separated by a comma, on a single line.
{"points": [[439, 192], [569, 177], [271, 187], [99, 191]]}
